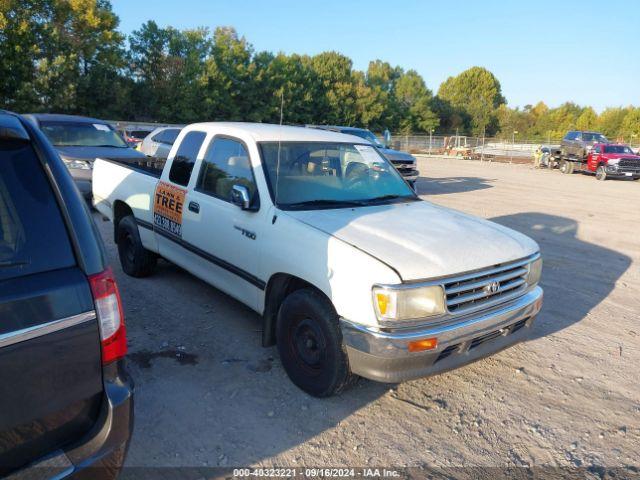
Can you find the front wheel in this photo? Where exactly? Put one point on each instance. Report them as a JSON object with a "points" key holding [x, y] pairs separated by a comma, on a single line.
{"points": [[601, 174], [310, 344], [136, 260]]}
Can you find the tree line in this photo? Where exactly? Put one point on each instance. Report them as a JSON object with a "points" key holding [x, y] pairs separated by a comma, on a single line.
{"points": [[67, 56]]}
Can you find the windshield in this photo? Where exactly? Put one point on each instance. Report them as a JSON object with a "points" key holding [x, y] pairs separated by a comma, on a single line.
{"points": [[139, 134], [69, 134], [594, 137], [366, 134], [617, 149], [330, 175]]}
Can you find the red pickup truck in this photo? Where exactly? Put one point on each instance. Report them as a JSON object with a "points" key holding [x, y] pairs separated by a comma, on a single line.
{"points": [[612, 161]]}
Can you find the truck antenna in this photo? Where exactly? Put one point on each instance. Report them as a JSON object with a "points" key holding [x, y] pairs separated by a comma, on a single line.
{"points": [[281, 105], [279, 145]]}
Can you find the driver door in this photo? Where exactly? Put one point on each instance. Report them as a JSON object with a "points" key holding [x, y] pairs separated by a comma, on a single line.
{"points": [[225, 236]]}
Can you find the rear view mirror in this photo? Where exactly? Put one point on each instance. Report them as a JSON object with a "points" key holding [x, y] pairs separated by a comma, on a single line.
{"points": [[387, 138], [240, 197]]}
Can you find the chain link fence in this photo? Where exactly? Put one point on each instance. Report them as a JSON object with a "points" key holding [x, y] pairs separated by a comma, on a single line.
{"points": [[469, 147], [475, 147]]}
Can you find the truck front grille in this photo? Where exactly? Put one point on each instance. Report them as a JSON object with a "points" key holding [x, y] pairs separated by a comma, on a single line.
{"points": [[398, 163], [629, 165], [486, 288]]}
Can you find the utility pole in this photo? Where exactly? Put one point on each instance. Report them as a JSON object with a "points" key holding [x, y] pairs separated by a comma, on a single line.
{"points": [[430, 139], [513, 143]]}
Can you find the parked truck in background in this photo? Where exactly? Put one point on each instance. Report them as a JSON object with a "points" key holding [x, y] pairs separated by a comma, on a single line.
{"points": [[352, 272], [608, 160], [575, 148]]}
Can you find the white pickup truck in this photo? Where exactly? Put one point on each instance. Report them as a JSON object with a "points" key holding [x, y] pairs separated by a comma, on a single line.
{"points": [[351, 271]]}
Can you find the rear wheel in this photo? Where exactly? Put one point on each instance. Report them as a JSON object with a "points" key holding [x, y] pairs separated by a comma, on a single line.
{"points": [[136, 260], [601, 174], [310, 344], [566, 167]]}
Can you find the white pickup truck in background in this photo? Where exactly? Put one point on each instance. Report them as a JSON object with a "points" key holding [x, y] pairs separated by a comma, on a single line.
{"points": [[352, 272]]}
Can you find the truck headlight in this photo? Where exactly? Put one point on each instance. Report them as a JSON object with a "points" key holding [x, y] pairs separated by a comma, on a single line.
{"points": [[535, 272], [79, 164], [408, 303]]}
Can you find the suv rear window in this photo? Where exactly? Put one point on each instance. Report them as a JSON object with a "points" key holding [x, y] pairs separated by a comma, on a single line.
{"points": [[33, 237]]}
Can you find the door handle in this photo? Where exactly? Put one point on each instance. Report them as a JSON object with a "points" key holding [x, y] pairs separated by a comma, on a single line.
{"points": [[194, 207]]}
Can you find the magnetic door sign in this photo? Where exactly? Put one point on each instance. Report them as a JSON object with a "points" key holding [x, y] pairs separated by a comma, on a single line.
{"points": [[168, 204]]}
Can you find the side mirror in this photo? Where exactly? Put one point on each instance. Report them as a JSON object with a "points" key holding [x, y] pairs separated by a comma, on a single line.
{"points": [[240, 197]]}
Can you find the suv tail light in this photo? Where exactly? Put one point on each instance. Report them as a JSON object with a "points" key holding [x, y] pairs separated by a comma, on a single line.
{"points": [[110, 315]]}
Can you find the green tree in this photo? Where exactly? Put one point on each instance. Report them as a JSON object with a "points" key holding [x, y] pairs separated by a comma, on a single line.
{"points": [[587, 120], [610, 121], [414, 102], [477, 92], [630, 127], [227, 77], [60, 55]]}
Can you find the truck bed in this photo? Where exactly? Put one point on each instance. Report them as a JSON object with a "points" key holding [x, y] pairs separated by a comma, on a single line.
{"points": [[150, 166]]}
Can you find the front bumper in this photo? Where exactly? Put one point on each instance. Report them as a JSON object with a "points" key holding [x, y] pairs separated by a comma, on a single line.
{"points": [[82, 179], [615, 171], [383, 356]]}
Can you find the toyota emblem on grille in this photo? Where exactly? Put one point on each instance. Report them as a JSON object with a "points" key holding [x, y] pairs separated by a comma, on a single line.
{"points": [[493, 287]]}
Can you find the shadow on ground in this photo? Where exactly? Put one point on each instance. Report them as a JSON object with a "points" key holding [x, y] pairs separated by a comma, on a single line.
{"points": [[577, 275], [448, 185]]}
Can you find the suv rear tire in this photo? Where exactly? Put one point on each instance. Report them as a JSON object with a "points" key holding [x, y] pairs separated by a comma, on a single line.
{"points": [[310, 344], [136, 260]]}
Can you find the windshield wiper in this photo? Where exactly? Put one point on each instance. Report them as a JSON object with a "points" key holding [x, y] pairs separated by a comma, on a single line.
{"points": [[10, 264], [384, 198], [323, 203]]}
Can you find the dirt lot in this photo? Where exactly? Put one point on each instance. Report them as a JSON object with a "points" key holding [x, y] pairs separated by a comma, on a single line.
{"points": [[208, 394]]}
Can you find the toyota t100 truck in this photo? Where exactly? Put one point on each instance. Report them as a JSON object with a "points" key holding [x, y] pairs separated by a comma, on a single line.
{"points": [[352, 272]]}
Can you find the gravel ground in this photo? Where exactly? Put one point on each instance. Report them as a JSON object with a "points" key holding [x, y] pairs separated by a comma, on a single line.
{"points": [[207, 394]]}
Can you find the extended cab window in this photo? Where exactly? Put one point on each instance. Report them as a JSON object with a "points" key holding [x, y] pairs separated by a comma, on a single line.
{"points": [[33, 238], [185, 158], [168, 137], [226, 164]]}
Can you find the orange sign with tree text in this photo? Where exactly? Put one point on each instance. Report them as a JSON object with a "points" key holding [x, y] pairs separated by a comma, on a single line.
{"points": [[168, 205]]}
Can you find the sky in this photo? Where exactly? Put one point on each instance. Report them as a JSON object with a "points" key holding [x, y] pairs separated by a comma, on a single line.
{"points": [[584, 51]]}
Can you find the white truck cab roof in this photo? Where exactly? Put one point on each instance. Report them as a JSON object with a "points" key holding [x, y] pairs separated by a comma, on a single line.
{"points": [[266, 132]]}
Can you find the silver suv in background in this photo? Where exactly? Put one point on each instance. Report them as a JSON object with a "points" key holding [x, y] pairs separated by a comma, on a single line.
{"points": [[404, 162], [159, 142]]}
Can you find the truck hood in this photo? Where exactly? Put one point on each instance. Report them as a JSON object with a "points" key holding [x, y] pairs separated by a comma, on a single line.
{"points": [[395, 155], [421, 240], [91, 153], [615, 157]]}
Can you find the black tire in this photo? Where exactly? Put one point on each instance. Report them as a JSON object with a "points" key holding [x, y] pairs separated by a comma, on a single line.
{"points": [[601, 173], [310, 344], [566, 167], [136, 260]]}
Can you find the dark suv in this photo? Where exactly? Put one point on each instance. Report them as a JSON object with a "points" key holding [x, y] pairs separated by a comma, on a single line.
{"points": [[576, 145], [79, 141], [404, 162], [66, 404]]}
